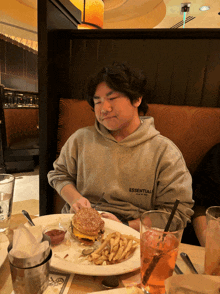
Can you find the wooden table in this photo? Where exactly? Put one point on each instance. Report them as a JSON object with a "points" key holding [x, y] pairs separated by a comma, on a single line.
{"points": [[86, 284]]}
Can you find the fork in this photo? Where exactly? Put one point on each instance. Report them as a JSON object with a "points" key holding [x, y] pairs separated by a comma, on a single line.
{"points": [[99, 200]]}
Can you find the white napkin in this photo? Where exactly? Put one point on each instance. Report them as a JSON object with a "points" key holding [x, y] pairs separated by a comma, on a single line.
{"points": [[192, 284], [27, 242]]}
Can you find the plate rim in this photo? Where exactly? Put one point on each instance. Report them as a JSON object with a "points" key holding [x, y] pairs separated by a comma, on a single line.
{"points": [[93, 270]]}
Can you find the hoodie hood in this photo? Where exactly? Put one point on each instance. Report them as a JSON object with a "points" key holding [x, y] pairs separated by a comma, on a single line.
{"points": [[145, 132]]}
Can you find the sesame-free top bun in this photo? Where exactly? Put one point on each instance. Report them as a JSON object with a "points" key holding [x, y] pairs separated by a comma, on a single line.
{"points": [[87, 225]]}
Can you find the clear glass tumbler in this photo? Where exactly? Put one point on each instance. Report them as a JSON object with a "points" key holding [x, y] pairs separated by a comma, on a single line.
{"points": [[6, 199], [212, 247], [159, 249]]}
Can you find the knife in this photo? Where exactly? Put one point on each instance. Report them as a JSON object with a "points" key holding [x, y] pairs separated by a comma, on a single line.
{"points": [[188, 262], [178, 270]]}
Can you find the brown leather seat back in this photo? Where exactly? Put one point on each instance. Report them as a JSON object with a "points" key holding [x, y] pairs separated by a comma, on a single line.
{"points": [[73, 115], [193, 129]]}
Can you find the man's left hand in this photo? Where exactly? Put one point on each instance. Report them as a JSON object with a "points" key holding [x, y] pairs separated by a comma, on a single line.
{"points": [[111, 216]]}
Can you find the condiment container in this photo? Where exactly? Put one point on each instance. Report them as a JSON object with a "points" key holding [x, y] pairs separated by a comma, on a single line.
{"points": [[30, 275], [56, 234]]}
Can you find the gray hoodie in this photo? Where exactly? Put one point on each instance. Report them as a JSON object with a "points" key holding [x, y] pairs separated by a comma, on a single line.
{"points": [[144, 171]]}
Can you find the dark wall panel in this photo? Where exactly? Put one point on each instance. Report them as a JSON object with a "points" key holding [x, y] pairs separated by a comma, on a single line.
{"points": [[211, 89], [18, 68], [2, 56], [14, 60], [198, 56], [179, 72]]}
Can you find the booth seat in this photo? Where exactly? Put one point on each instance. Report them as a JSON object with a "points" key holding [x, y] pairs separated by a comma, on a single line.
{"points": [[21, 140], [22, 126], [193, 129]]}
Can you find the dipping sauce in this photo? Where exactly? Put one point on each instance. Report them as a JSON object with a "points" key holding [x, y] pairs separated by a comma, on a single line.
{"points": [[56, 236]]}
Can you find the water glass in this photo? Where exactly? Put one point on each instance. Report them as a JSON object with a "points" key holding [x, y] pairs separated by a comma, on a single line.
{"points": [[159, 249], [212, 246], [6, 199]]}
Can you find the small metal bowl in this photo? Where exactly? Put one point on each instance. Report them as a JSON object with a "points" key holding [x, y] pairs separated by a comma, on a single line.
{"points": [[30, 261]]}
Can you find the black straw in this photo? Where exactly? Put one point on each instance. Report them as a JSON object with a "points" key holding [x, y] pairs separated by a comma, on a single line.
{"points": [[172, 215]]}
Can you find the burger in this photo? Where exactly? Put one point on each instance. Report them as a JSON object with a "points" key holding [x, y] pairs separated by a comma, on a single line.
{"points": [[87, 225]]}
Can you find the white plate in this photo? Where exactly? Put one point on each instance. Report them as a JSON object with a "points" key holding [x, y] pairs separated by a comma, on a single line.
{"points": [[4, 242], [79, 265]]}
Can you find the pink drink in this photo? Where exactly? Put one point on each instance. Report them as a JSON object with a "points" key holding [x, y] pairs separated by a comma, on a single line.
{"points": [[153, 242]]}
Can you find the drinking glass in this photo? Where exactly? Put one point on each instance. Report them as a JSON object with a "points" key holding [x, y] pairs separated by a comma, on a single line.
{"points": [[159, 249], [6, 199], [212, 246]]}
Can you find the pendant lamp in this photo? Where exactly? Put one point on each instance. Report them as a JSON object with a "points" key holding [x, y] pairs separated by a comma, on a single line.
{"points": [[92, 13]]}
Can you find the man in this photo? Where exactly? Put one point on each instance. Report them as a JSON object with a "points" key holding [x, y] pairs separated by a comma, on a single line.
{"points": [[123, 158], [206, 187]]}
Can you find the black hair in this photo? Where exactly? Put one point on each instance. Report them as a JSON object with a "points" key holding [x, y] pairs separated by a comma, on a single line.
{"points": [[122, 78]]}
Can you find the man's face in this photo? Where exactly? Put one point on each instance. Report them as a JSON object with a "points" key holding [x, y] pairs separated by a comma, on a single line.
{"points": [[114, 110]]}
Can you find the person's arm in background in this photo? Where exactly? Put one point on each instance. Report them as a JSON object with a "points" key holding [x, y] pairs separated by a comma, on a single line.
{"points": [[199, 224], [135, 224]]}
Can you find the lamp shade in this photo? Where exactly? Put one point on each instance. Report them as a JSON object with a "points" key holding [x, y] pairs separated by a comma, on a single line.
{"points": [[92, 13]]}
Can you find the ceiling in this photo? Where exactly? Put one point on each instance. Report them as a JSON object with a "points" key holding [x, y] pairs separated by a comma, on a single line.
{"points": [[159, 14], [19, 17]]}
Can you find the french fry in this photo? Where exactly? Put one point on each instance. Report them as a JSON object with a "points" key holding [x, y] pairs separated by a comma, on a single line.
{"points": [[103, 257], [125, 241], [112, 241], [112, 254], [119, 253], [95, 255], [115, 248], [127, 248], [130, 237], [134, 246], [117, 239], [129, 253], [103, 244], [106, 252], [98, 262]]}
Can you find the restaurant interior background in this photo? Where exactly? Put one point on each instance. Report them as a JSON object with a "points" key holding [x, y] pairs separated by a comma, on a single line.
{"points": [[19, 42], [18, 29]]}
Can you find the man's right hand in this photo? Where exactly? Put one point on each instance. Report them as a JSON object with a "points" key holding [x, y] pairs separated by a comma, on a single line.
{"points": [[80, 203], [74, 198]]}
